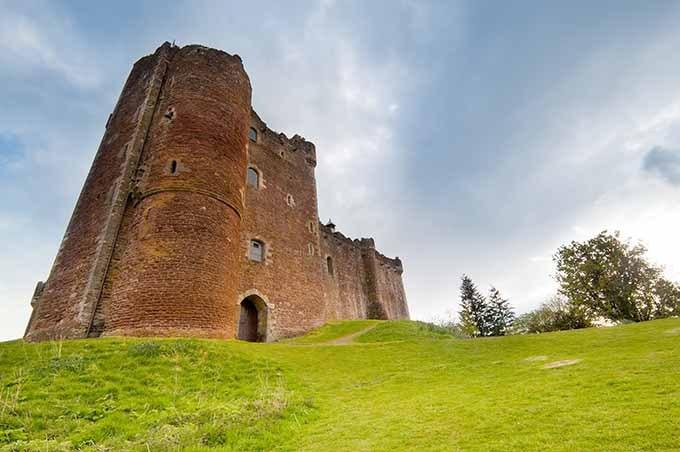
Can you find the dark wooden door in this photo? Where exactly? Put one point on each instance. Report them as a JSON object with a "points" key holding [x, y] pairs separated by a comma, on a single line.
{"points": [[247, 327]]}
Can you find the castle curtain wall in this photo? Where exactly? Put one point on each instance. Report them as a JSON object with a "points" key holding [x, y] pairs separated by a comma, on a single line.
{"points": [[346, 288], [362, 283], [391, 288]]}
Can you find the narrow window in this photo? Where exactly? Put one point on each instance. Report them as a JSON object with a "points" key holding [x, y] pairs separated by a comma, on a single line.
{"points": [[253, 178], [310, 249], [329, 265], [252, 135], [256, 252], [173, 167], [289, 200]]}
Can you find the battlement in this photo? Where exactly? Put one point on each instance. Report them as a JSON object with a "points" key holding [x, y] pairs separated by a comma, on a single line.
{"points": [[170, 49], [364, 243], [296, 148], [393, 264]]}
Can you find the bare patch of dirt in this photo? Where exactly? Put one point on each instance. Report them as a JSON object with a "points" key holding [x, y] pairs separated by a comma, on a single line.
{"points": [[673, 332], [561, 363], [533, 359]]}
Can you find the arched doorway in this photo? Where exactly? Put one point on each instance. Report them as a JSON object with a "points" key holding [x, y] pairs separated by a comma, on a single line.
{"points": [[252, 325]]}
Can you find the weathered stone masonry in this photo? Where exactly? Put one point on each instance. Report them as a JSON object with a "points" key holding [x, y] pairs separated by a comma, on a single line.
{"points": [[198, 220]]}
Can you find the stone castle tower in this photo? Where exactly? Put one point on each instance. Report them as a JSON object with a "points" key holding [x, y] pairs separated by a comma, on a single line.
{"points": [[197, 220]]}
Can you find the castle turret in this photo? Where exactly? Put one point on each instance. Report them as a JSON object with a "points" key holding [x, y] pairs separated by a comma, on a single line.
{"points": [[179, 269], [153, 244]]}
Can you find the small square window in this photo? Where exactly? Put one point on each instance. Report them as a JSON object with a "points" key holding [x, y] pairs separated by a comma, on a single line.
{"points": [[256, 252]]}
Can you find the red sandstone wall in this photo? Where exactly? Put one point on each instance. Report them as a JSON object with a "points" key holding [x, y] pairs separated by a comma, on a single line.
{"points": [[66, 306], [178, 267], [391, 288], [289, 279], [365, 284], [346, 290]]}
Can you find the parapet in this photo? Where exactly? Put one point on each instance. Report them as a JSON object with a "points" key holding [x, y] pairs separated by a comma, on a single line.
{"points": [[297, 146], [366, 244], [393, 264]]}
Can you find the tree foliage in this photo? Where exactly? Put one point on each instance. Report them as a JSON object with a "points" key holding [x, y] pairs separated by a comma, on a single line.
{"points": [[472, 309], [610, 278], [499, 314], [556, 314], [480, 316]]}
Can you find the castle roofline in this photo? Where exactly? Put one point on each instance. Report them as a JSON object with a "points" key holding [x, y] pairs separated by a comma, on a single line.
{"points": [[363, 243], [293, 144]]}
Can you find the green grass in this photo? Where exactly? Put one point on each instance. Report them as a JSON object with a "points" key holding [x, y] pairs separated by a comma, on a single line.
{"points": [[400, 386], [334, 330], [404, 330]]}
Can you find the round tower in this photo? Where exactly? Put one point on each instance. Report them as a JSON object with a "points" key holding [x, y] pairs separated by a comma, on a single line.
{"points": [[176, 272]]}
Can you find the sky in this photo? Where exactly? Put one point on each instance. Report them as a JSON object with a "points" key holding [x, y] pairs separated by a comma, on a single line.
{"points": [[466, 137]]}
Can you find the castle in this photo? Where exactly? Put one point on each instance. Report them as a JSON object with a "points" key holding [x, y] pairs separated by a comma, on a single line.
{"points": [[197, 220]]}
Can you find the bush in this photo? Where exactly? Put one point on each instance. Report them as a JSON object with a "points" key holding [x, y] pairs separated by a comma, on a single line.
{"points": [[557, 314]]}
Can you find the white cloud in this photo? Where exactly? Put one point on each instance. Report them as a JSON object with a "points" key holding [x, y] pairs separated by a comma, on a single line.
{"points": [[43, 41]]}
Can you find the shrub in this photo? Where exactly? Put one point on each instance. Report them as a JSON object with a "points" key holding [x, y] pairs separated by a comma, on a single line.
{"points": [[556, 314]]}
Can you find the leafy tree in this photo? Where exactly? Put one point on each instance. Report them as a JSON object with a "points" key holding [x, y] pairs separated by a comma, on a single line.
{"points": [[611, 278], [473, 310], [556, 314], [668, 295], [499, 314]]}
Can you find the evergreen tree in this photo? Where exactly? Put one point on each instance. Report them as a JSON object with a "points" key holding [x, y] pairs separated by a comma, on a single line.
{"points": [[473, 310], [499, 314]]}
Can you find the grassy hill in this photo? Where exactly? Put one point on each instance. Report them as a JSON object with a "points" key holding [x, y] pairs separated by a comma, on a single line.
{"points": [[393, 386]]}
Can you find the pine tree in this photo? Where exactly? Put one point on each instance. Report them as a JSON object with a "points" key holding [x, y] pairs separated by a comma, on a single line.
{"points": [[473, 309], [499, 314]]}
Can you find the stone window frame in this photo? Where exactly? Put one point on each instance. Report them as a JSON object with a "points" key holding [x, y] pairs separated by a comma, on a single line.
{"points": [[257, 171], [311, 249], [267, 249], [173, 167], [254, 244], [252, 134]]}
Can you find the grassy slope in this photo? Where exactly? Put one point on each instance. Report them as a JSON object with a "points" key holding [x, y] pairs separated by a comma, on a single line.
{"points": [[399, 387]]}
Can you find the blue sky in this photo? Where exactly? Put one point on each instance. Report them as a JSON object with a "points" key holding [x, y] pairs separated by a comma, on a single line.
{"points": [[468, 137]]}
